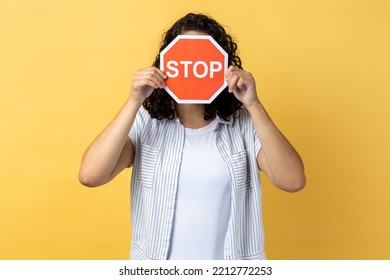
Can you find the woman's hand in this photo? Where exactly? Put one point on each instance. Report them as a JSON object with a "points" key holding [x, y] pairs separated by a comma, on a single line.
{"points": [[242, 84], [145, 81], [112, 151], [277, 157]]}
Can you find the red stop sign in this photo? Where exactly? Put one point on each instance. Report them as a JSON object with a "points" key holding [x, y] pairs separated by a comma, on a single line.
{"points": [[196, 67]]}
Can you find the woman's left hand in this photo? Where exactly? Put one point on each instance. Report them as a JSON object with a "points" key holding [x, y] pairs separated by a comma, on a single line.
{"points": [[277, 157], [242, 84]]}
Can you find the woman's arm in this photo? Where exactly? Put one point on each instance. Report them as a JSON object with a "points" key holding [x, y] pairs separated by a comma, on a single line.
{"points": [[112, 150], [277, 157]]}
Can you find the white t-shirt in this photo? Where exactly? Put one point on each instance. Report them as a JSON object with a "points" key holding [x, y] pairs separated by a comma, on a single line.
{"points": [[203, 199]]}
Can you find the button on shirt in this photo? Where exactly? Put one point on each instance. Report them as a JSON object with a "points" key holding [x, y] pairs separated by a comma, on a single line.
{"points": [[158, 148]]}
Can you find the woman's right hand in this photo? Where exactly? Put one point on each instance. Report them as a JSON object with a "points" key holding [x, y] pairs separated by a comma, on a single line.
{"points": [[145, 81]]}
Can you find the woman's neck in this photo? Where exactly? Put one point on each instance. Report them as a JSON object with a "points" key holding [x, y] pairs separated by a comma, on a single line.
{"points": [[192, 115]]}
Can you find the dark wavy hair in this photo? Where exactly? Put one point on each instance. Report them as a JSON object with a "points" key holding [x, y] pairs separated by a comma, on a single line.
{"points": [[160, 104]]}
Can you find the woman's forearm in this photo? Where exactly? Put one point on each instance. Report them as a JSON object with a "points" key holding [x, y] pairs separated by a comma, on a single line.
{"points": [[106, 153], [112, 150], [285, 167]]}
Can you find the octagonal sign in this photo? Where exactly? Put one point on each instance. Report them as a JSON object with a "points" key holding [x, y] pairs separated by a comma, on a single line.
{"points": [[196, 67]]}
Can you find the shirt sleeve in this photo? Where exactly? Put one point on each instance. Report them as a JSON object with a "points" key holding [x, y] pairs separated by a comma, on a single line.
{"points": [[257, 142], [250, 131], [136, 129], [134, 132]]}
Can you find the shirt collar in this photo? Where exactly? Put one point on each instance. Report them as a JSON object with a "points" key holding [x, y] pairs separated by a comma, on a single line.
{"points": [[222, 121]]}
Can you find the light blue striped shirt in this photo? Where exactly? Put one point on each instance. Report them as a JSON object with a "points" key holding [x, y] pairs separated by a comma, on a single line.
{"points": [[158, 148]]}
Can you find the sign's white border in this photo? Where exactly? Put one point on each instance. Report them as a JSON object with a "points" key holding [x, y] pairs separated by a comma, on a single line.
{"points": [[195, 37]]}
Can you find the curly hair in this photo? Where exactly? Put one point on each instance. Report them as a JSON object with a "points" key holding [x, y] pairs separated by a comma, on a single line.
{"points": [[160, 104]]}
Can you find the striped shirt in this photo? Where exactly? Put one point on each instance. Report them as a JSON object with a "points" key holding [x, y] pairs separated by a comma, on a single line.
{"points": [[158, 148]]}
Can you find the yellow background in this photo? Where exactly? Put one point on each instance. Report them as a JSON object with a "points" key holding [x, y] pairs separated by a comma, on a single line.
{"points": [[323, 73]]}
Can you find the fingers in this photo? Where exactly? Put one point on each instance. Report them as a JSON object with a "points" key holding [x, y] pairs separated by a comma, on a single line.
{"points": [[152, 77], [232, 81], [242, 84], [145, 81], [236, 78]]}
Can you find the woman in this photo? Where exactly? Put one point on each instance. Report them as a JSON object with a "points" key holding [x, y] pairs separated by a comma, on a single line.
{"points": [[196, 191]]}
